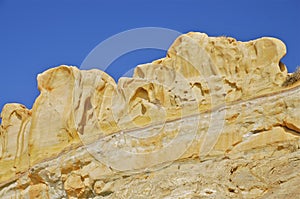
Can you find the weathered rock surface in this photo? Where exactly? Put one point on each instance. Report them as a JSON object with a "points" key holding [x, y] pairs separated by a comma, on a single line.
{"points": [[214, 119]]}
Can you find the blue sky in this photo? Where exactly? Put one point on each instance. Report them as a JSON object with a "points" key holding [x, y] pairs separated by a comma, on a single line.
{"points": [[37, 35]]}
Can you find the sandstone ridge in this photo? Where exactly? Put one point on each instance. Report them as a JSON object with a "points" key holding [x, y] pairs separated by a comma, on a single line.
{"points": [[213, 119]]}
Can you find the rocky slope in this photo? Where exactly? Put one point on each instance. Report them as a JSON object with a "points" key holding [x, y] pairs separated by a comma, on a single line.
{"points": [[215, 118]]}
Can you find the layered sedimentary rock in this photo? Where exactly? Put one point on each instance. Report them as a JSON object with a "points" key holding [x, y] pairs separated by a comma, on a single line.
{"points": [[215, 118]]}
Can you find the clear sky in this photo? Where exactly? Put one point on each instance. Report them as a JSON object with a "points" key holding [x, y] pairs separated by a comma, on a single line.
{"points": [[39, 34]]}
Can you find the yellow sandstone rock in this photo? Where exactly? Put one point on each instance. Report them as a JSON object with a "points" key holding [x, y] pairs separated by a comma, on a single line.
{"points": [[215, 118]]}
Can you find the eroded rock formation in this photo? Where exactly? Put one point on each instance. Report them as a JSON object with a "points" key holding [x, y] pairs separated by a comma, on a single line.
{"points": [[213, 119]]}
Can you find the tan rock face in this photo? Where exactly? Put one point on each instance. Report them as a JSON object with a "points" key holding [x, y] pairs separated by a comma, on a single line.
{"points": [[39, 191], [74, 185], [215, 118]]}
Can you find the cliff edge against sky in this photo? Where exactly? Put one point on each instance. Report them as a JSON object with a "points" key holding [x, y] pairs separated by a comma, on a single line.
{"points": [[215, 118]]}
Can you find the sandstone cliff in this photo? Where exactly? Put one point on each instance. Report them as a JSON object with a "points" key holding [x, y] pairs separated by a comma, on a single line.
{"points": [[215, 118]]}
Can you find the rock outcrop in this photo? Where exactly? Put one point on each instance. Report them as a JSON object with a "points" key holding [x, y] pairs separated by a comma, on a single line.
{"points": [[215, 118]]}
